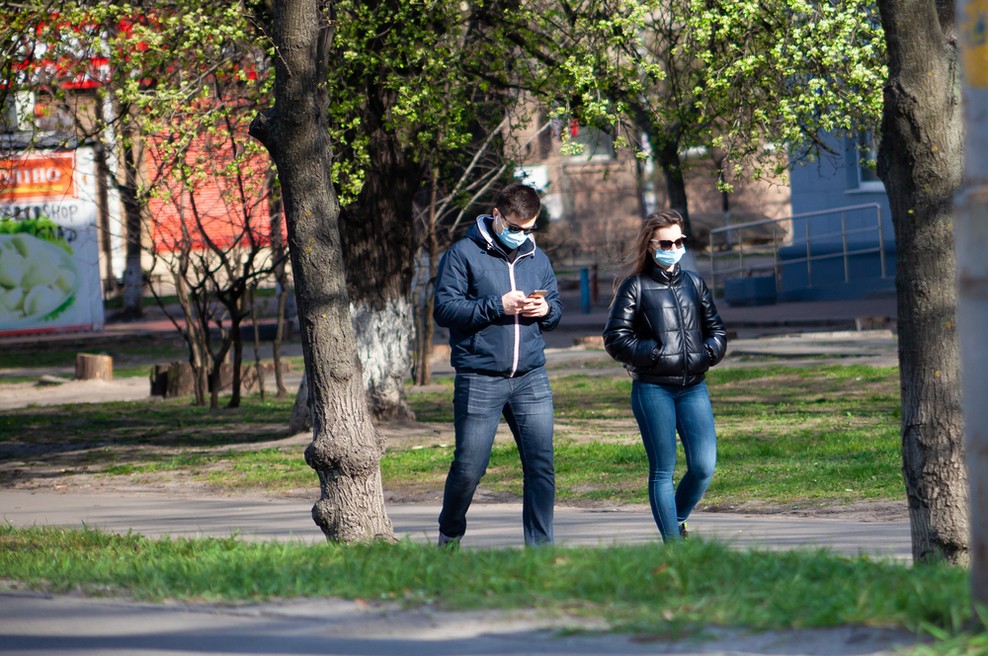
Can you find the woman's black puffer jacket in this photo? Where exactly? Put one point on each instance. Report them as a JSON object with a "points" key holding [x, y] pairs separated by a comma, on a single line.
{"points": [[664, 327]]}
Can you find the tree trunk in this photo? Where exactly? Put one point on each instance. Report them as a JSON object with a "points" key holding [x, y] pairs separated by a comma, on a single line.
{"points": [[133, 282], [195, 337], [281, 281], [672, 168], [103, 212], [301, 419], [279, 335], [384, 338], [255, 331], [920, 161], [345, 451], [380, 243], [90, 366], [425, 301], [238, 361]]}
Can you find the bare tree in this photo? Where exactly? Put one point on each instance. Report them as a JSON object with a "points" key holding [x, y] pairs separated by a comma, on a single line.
{"points": [[921, 162], [207, 212], [441, 219], [345, 449]]}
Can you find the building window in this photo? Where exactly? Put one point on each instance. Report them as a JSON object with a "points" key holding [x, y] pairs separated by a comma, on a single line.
{"points": [[596, 144], [865, 156]]}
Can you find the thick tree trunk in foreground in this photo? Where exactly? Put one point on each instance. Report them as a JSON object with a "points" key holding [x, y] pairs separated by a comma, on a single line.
{"points": [[921, 163], [345, 449]]}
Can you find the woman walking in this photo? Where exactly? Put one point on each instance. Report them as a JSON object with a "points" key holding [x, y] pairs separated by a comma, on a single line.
{"points": [[664, 327]]}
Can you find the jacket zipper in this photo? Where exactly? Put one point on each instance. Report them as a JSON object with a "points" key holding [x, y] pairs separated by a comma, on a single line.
{"points": [[677, 293], [516, 354], [517, 345], [517, 348]]}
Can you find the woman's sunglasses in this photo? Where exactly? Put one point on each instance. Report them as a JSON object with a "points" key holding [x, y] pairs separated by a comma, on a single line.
{"points": [[667, 244]]}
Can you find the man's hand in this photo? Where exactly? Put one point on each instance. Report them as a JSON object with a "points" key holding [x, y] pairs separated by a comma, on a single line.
{"points": [[514, 302], [535, 306]]}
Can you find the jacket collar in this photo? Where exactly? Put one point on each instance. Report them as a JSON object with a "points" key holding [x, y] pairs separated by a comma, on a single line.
{"points": [[666, 277], [482, 234]]}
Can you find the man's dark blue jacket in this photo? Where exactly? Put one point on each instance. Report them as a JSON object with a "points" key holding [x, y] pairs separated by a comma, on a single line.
{"points": [[473, 276]]}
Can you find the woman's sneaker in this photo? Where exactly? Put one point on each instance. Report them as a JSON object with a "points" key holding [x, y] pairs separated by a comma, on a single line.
{"points": [[683, 533], [446, 542]]}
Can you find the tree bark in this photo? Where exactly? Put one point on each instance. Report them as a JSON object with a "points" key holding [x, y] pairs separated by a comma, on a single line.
{"points": [[301, 419], [281, 280], [380, 243], [425, 301], [384, 339], [133, 282], [89, 366], [921, 163], [671, 165], [345, 451]]}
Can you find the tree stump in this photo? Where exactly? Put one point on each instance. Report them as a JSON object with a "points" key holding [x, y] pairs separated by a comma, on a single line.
{"points": [[172, 379], [89, 366], [181, 380], [159, 380]]}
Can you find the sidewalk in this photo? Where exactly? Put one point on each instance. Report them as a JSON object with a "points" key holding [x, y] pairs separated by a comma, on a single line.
{"points": [[491, 524], [759, 320], [741, 322], [45, 625]]}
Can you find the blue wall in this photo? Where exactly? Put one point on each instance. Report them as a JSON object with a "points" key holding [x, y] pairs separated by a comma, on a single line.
{"points": [[829, 184]]}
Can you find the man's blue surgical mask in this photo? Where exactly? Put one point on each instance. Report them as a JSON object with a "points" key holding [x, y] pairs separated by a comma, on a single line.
{"points": [[670, 257], [510, 238]]}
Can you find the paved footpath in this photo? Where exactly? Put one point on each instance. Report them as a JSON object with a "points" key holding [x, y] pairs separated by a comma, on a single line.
{"points": [[491, 525], [45, 625]]}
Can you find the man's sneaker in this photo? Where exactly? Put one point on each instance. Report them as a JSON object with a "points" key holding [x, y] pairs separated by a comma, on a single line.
{"points": [[446, 542], [683, 533]]}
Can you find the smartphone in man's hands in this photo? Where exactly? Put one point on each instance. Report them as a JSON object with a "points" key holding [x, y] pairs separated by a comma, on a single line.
{"points": [[538, 293]]}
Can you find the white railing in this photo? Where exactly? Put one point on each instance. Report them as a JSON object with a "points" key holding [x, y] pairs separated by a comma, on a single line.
{"points": [[742, 250]]}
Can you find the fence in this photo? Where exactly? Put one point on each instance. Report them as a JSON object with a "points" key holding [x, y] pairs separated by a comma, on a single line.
{"points": [[749, 261]]}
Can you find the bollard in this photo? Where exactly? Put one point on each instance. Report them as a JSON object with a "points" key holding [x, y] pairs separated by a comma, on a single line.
{"points": [[585, 290]]}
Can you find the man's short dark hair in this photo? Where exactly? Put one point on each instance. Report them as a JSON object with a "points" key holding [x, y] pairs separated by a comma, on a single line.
{"points": [[518, 201]]}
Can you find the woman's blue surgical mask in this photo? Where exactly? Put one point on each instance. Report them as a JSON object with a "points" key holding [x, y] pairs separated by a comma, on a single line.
{"points": [[670, 257]]}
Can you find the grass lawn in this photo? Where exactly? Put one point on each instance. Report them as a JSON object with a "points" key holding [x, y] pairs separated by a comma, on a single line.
{"points": [[786, 436], [649, 589], [825, 435]]}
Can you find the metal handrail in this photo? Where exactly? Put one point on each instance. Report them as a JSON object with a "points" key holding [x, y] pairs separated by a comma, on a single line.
{"points": [[739, 250]]}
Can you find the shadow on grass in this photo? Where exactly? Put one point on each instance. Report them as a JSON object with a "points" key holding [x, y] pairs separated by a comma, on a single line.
{"points": [[91, 430]]}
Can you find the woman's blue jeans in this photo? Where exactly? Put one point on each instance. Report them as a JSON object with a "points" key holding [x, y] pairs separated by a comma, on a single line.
{"points": [[478, 403], [661, 411]]}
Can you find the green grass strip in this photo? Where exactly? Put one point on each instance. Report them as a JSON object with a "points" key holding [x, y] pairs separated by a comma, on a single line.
{"points": [[648, 588]]}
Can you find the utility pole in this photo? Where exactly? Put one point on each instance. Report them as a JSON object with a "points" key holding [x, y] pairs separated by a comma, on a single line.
{"points": [[971, 245]]}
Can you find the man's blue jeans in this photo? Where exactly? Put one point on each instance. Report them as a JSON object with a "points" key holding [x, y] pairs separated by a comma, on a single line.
{"points": [[661, 411], [478, 403]]}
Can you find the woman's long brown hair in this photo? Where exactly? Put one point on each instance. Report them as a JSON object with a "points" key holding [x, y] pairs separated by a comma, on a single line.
{"points": [[640, 257]]}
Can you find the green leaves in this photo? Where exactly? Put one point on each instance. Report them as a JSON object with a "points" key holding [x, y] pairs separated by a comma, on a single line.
{"points": [[788, 69]]}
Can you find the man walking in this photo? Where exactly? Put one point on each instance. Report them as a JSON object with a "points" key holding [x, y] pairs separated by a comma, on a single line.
{"points": [[496, 293]]}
